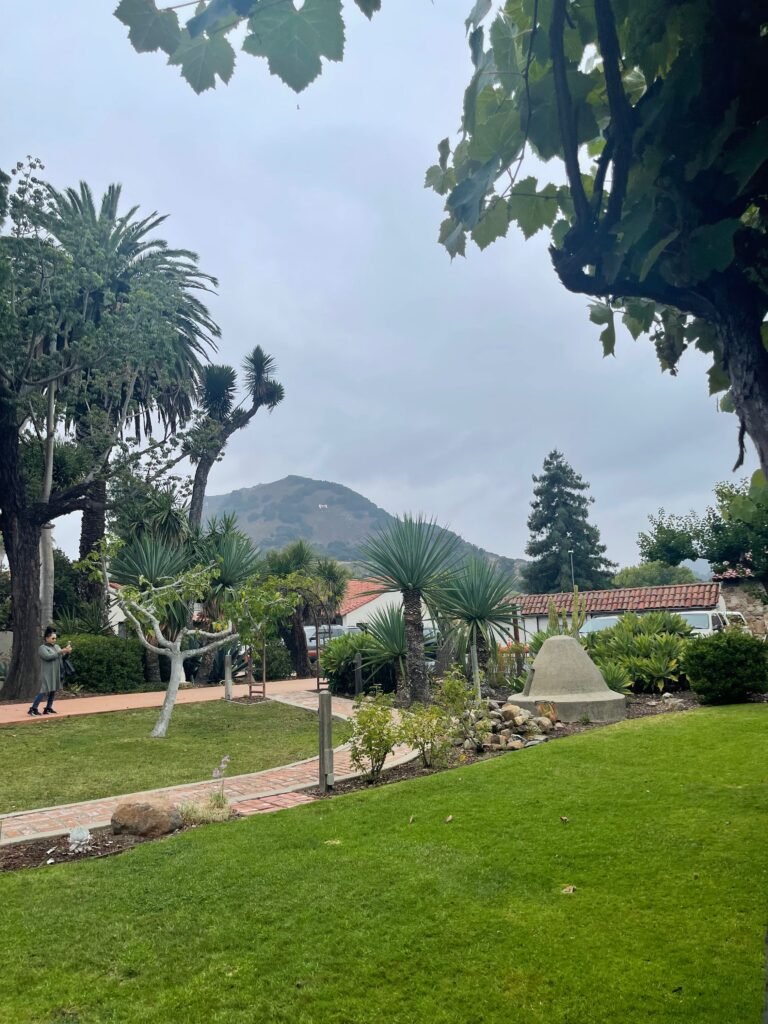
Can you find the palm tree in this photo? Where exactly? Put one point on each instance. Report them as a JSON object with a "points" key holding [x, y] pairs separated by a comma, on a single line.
{"points": [[296, 560], [478, 601], [222, 417], [416, 557], [128, 253]]}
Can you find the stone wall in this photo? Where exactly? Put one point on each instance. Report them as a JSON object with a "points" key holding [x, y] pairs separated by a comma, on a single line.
{"points": [[748, 597]]}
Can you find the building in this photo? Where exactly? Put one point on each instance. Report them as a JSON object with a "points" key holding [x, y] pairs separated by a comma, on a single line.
{"points": [[364, 599], [680, 597]]}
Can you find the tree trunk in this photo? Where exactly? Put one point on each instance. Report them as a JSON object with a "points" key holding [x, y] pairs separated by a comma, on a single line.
{"points": [[152, 667], [417, 683], [483, 653], [199, 485], [177, 679], [22, 546], [46, 576], [203, 674], [746, 362], [298, 645], [92, 531]]}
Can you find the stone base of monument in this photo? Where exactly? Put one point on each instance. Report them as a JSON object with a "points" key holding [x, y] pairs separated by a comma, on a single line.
{"points": [[597, 707], [564, 675]]}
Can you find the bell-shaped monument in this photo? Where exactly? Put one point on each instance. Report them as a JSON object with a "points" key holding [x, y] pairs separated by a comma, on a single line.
{"points": [[563, 674]]}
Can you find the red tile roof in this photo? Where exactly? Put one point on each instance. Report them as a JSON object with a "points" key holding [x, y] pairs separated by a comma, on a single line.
{"points": [[628, 599], [358, 593]]}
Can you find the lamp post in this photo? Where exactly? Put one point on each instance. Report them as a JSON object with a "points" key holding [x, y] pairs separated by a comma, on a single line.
{"points": [[573, 578]]}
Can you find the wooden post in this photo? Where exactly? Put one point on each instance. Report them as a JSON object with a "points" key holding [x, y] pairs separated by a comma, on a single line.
{"points": [[358, 674], [326, 742], [227, 677]]}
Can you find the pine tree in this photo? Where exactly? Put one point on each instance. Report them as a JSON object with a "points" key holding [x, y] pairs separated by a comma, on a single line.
{"points": [[560, 527]]}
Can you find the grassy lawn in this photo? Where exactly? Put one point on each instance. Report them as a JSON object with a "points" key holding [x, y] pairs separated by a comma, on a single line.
{"points": [[70, 759], [342, 912]]}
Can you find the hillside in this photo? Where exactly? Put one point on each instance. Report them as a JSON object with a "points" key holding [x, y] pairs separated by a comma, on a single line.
{"points": [[334, 519]]}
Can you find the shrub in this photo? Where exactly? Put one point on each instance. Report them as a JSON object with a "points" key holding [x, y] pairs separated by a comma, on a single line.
{"points": [[278, 660], [726, 667], [649, 649], [107, 664], [337, 660], [616, 676], [206, 811], [374, 732], [428, 730], [456, 697]]}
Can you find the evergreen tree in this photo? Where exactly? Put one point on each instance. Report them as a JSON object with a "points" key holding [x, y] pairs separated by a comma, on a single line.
{"points": [[560, 530]]}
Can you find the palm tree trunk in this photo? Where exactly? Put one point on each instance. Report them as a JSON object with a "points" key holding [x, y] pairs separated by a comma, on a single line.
{"points": [[46, 575], [199, 486], [417, 683], [152, 667], [22, 546], [299, 646]]}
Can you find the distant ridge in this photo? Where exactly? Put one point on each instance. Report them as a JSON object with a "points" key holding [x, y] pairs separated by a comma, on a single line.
{"points": [[334, 519]]}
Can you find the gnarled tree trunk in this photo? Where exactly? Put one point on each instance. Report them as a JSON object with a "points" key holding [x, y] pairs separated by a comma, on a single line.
{"points": [[199, 485], [22, 545], [177, 679], [746, 362]]}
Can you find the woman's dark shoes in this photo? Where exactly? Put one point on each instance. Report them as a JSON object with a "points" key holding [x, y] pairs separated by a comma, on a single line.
{"points": [[49, 711], [33, 711]]}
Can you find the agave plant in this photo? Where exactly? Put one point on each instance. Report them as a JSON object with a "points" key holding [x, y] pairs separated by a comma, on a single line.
{"points": [[418, 558]]}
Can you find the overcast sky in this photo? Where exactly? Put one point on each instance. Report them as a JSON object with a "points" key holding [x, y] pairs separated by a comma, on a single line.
{"points": [[425, 385]]}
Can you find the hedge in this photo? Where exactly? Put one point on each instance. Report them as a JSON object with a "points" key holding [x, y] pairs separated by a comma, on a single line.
{"points": [[107, 664]]}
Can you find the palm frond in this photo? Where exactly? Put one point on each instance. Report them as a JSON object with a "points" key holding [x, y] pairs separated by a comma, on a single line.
{"points": [[411, 554]]}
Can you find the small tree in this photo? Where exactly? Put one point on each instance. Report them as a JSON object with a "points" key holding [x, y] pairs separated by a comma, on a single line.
{"points": [[145, 607], [259, 607]]}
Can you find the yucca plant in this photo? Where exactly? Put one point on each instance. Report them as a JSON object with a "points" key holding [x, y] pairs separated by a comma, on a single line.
{"points": [[387, 646], [417, 557], [478, 603]]}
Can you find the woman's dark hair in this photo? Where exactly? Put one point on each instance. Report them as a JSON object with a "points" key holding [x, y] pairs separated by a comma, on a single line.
{"points": [[50, 631]]}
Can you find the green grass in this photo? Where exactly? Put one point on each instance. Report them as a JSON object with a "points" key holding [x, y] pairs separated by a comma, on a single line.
{"points": [[342, 912], [71, 759]]}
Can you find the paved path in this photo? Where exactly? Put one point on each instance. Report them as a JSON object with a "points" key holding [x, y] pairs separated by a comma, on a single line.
{"points": [[66, 706], [255, 793]]}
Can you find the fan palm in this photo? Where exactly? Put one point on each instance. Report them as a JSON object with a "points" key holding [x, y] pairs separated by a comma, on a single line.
{"points": [[418, 558], [221, 417], [478, 601]]}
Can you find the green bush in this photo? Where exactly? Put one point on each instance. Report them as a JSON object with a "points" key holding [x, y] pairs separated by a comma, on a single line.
{"points": [[278, 660], [726, 667], [337, 660], [469, 719], [649, 649], [107, 664], [374, 733], [427, 728]]}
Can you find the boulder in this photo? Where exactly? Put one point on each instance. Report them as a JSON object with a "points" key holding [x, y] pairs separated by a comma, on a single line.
{"points": [[532, 729], [515, 745], [149, 818], [544, 723], [508, 713]]}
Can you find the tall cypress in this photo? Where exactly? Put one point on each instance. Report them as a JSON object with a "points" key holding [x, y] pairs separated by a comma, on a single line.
{"points": [[559, 524]]}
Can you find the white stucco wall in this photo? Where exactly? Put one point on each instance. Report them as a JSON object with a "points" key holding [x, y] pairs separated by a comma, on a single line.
{"points": [[366, 611]]}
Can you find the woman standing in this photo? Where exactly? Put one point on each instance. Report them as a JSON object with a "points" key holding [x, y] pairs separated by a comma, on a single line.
{"points": [[51, 655]]}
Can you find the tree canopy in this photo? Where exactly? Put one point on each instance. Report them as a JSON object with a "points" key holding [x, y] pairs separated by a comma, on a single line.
{"points": [[653, 574], [653, 111], [564, 547]]}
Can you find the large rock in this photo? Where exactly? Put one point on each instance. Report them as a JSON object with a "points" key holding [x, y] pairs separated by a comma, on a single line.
{"points": [[565, 683], [149, 818]]}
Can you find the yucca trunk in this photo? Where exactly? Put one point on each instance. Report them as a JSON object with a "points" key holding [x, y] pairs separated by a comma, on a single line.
{"points": [[416, 686], [199, 485], [93, 528]]}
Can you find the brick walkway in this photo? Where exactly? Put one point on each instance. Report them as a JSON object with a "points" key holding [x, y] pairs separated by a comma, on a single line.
{"points": [[255, 793]]}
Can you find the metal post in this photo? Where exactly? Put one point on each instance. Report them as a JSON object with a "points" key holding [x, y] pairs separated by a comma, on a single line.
{"points": [[227, 677], [358, 674], [573, 578], [326, 742]]}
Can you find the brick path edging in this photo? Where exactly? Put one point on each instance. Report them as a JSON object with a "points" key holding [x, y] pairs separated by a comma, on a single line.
{"points": [[286, 786]]}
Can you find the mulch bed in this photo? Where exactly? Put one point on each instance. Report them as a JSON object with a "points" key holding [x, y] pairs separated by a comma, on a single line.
{"points": [[38, 853]]}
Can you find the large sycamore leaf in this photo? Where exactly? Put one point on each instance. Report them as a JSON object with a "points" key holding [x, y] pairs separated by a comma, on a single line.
{"points": [[218, 13], [202, 59], [148, 28], [531, 209], [294, 41], [466, 199], [492, 225]]}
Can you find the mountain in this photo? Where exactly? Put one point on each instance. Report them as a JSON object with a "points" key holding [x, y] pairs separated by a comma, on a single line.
{"points": [[332, 518]]}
